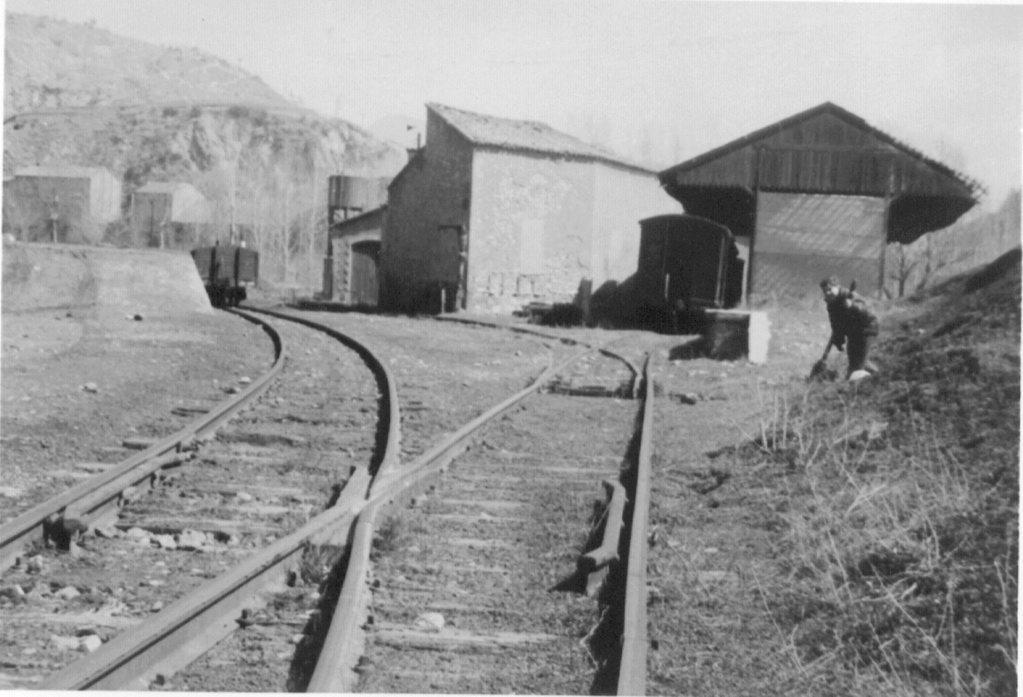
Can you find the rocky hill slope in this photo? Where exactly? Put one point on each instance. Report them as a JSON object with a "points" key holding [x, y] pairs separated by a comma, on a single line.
{"points": [[52, 64], [78, 95]]}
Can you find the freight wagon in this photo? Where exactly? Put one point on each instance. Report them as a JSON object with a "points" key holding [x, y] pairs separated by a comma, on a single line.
{"points": [[226, 272], [687, 264]]}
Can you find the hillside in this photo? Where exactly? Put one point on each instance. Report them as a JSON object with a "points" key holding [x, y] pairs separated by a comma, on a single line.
{"points": [[78, 95], [975, 239], [53, 64]]}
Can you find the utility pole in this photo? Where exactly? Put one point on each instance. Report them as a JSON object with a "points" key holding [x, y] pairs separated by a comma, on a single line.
{"points": [[54, 217]]}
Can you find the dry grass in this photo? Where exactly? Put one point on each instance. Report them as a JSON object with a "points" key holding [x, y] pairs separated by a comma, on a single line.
{"points": [[899, 551]]}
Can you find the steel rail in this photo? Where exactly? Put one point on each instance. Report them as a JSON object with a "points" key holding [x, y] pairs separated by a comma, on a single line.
{"points": [[333, 671], [632, 665], [190, 626], [390, 452], [603, 348], [193, 624], [104, 490]]}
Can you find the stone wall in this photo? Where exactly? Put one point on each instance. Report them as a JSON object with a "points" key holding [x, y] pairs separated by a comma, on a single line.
{"points": [[623, 198], [433, 191], [530, 237]]}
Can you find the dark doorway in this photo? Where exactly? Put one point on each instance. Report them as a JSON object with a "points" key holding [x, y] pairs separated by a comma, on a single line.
{"points": [[364, 284]]}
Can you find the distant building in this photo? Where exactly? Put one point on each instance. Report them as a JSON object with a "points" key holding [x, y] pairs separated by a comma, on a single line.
{"points": [[494, 214], [816, 194], [167, 214], [356, 211], [351, 273], [61, 204]]}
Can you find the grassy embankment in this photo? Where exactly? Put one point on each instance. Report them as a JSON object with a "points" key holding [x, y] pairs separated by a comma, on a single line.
{"points": [[900, 545]]}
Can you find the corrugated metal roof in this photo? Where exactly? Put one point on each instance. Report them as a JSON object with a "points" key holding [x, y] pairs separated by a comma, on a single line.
{"points": [[846, 226], [802, 238], [528, 136]]}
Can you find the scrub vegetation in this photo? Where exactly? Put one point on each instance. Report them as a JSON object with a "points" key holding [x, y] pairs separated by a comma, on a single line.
{"points": [[898, 550]]}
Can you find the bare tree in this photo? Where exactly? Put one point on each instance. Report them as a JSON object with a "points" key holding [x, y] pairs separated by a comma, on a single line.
{"points": [[902, 269]]}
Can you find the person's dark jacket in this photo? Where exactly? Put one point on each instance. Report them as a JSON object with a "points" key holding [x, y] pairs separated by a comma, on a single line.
{"points": [[850, 316]]}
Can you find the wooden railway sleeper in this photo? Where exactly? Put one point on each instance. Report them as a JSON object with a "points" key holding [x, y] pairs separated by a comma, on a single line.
{"points": [[613, 522], [46, 519], [103, 504], [592, 567]]}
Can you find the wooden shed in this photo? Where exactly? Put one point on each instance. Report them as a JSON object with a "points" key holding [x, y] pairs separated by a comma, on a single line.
{"points": [[816, 194], [494, 214]]}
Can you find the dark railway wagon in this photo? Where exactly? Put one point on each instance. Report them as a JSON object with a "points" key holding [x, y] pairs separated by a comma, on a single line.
{"points": [[227, 271], [687, 264]]}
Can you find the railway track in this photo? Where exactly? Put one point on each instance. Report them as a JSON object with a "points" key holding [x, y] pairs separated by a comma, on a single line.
{"points": [[289, 589], [209, 535], [475, 585], [92, 502], [480, 621]]}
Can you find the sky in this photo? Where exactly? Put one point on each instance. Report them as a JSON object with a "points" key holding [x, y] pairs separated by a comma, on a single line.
{"points": [[658, 81]]}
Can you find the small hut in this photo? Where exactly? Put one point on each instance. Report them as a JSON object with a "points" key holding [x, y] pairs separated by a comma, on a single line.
{"points": [[167, 214], [356, 212], [61, 204], [350, 274]]}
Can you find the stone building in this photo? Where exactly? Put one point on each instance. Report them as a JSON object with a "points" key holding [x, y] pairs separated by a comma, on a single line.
{"points": [[816, 194], [494, 214], [167, 214], [61, 204]]}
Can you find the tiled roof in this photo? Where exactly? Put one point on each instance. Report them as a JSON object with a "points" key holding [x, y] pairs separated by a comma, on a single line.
{"points": [[61, 171], [527, 136], [160, 188]]}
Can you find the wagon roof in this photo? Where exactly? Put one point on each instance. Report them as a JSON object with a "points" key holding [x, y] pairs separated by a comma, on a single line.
{"points": [[526, 136]]}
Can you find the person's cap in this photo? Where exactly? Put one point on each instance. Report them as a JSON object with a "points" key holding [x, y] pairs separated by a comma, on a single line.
{"points": [[830, 281]]}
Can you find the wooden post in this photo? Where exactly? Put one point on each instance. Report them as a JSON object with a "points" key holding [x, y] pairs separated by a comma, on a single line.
{"points": [[753, 224], [889, 186], [462, 294]]}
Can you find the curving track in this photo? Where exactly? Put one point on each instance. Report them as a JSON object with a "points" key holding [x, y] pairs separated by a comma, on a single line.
{"points": [[199, 540], [464, 584], [279, 509]]}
